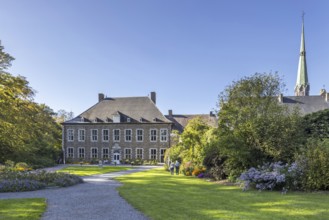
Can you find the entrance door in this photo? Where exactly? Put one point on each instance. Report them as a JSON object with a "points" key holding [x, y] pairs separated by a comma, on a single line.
{"points": [[116, 158]]}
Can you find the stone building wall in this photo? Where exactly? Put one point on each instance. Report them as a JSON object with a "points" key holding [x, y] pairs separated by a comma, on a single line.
{"points": [[115, 147]]}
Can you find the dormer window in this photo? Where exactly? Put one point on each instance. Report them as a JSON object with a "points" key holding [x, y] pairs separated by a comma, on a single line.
{"points": [[155, 119], [128, 120], [116, 118], [108, 120], [82, 119], [141, 119], [95, 120]]}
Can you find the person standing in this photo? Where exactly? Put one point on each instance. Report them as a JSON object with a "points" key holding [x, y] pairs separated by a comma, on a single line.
{"points": [[171, 167], [177, 164]]}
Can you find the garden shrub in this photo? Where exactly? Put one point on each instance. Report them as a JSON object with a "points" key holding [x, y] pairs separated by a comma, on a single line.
{"points": [[267, 177], [34, 180], [20, 185], [21, 166], [315, 161]]}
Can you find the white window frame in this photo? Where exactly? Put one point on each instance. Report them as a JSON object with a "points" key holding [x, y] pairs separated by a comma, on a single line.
{"points": [[91, 153], [93, 138], [138, 154], [156, 135], [68, 152], [108, 135], [131, 135], [164, 153], [156, 154], [163, 138], [69, 139], [79, 135], [108, 154], [114, 136], [125, 153], [142, 135], [84, 152]]}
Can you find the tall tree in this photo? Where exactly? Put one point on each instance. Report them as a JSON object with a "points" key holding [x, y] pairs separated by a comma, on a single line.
{"points": [[253, 126], [26, 128]]}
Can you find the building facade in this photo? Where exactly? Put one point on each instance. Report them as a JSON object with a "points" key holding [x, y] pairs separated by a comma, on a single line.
{"points": [[116, 130]]}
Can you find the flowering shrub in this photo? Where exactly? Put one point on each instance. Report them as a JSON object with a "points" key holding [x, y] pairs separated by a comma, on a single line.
{"points": [[14, 181], [198, 171], [269, 176], [22, 166], [20, 185]]}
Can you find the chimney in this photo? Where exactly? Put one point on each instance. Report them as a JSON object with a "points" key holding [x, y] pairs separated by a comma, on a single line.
{"points": [[170, 113], [323, 93], [100, 97], [327, 97], [280, 98], [154, 97]]}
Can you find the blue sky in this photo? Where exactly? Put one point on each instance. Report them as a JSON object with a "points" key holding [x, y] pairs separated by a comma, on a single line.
{"points": [[187, 51]]}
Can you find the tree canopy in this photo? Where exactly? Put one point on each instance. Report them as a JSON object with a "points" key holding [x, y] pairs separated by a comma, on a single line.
{"points": [[28, 132], [253, 126]]}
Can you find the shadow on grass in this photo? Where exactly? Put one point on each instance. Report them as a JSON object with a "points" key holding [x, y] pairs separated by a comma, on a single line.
{"points": [[160, 195]]}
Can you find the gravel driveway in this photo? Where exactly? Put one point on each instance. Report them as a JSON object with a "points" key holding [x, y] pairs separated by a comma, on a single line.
{"points": [[95, 199]]}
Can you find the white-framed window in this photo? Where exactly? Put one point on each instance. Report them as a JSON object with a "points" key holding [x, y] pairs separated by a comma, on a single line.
{"points": [[153, 154], [94, 135], [94, 152], [70, 135], [70, 152], [116, 135], [163, 135], [81, 152], [128, 133], [128, 153], [106, 135], [139, 153], [153, 135], [105, 153], [139, 135], [162, 154], [81, 135]]}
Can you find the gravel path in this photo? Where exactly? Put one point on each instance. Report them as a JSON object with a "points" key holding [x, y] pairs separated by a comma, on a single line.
{"points": [[96, 199]]}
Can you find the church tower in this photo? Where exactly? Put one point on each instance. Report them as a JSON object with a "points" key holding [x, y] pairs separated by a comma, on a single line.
{"points": [[302, 87]]}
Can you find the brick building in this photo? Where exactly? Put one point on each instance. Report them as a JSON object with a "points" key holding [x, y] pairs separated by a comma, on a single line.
{"points": [[117, 129]]}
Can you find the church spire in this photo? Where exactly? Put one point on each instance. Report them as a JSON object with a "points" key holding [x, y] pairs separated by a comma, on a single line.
{"points": [[302, 87]]}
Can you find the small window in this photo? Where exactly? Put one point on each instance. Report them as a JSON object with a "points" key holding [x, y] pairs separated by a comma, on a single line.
{"points": [[128, 135], [153, 135], [163, 135], [94, 153], [70, 135], [94, 135], [128, 153], [81, 152], [70, 152], [139, 135], [106, 153], [139, 153], [116, 135], [81, 135], [153, 154], [116, 118], [128, 120], [106, 135]]}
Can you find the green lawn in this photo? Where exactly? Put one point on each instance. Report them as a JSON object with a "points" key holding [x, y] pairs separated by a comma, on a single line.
{"points": [[92, 170], [161, 196], [28, 209]]}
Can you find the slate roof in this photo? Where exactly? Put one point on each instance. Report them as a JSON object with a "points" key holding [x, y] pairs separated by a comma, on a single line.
{"points": [[180, 121], [306, 104], [138, 109]]}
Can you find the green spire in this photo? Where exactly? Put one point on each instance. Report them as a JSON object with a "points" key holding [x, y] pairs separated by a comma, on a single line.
{"points": [[302, 86]]}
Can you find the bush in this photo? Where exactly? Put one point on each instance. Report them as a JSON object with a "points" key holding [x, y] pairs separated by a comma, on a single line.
{"points": [[22, 166], [269, 176], [315, 161], [34, 180], [20, 185]]}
